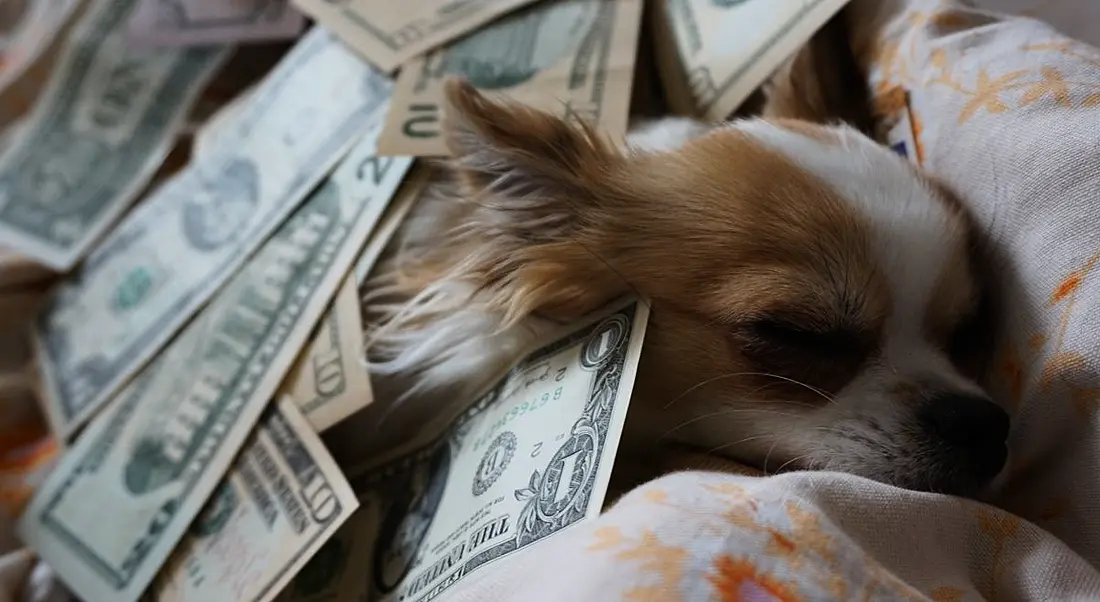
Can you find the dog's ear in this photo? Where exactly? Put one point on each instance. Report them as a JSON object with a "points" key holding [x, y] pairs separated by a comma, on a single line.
{"points": [[534, 165], [539, 185]]}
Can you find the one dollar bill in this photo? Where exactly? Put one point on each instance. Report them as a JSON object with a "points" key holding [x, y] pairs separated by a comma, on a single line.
{"points": [[712, 54], [530, 458], [282, 500], [573, 58], [105, 121], [388, 37], [173, 253], [160, 448]]}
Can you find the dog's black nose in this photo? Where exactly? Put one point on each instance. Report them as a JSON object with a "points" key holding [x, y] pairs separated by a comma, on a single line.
{"points": [[972, 427]]}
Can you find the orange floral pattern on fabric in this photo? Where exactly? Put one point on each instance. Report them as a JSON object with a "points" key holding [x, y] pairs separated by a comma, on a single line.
{"points": [[738, 580]]}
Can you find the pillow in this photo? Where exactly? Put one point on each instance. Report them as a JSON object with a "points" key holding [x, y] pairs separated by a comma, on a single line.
{"points": [[1007, 111]]}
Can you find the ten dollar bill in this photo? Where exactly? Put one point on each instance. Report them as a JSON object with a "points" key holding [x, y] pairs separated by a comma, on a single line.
{"points": [[573, 58], [330, 381], [713, 54], [283, 498], [388, 37]]}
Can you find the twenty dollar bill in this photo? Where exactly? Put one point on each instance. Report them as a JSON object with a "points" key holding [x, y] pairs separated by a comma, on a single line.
{"points": [[388, 35], [283, 499], [712, 54], [105, 121], [530, 458], [573, 58], [194, 231], [157, 452]]}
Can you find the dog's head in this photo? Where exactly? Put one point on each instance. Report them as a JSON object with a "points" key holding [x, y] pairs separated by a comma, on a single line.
{"points": [[817, 302]]}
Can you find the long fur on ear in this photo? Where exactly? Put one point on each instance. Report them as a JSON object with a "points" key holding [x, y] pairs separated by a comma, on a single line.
{"points": [[534, 166], [431, 336], [532, 179], [495, 254]]}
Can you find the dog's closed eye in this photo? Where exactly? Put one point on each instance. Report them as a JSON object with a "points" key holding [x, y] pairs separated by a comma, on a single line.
{"points": [[811, 341], [825, 357]]}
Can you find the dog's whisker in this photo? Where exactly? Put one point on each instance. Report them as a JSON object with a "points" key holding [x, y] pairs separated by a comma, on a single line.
{"points": [[725, 412], [831, 429], [828, 398], [704, 383], [769, 455], [822, 394], [789, 462], [738, 442], [788, 402]]}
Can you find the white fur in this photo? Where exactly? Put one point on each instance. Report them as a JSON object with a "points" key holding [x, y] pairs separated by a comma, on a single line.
{"points": [[915, 235], [664, 135]]}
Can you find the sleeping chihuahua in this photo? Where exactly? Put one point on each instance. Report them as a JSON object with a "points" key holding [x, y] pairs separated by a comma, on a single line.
{"points": [[817, 302]]}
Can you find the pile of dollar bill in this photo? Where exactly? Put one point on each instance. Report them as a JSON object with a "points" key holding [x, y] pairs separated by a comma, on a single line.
{"points": [[192, 194]]}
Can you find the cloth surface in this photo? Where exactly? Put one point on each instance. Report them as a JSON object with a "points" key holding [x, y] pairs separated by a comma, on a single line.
{"points": [[1005, 110], [27, 454], [702, 536]]}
